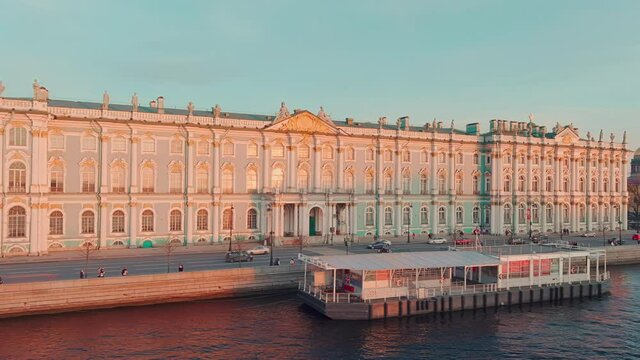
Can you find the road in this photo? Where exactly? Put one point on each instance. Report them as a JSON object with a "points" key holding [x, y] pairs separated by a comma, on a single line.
{"points": [[65, 268]]}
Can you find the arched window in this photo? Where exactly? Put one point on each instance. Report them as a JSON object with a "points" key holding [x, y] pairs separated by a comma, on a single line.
{"points": [[507, 214], [565, 213], [507, 158], [522, 214], [388, 155], [203, 147], [88, 177], [582, 213], [507, 183], [549, 184], [303, 180], [117, 179], [252, 219], [202, 180], [388, 216], [442, 184], [476, 184], [549, 213], [303, 151], [117, 221], [327, 152], [442, 158], [227, 219], [617, 185], [521, 183], [605, 185], [56, 223], [175, 220], [17, 222], [388, 183], [369, 217], [406, 182], [18, 136], [228, 148], [56, 179], [535, 184], [459, 183], [535, 213], [406, 155], [581, 184], [459, 159], [521, 158], [175, 180], [616, 213], [424, 156], [369, 154], [350, 154], [147, 221], [252, 180], [148, 144], [487, 183], [565, 184], [424, 215], [442, 216], [202, 220], [475, 215], [176, 146], [406, 215], [594, 213], [148, 180], [277, 151], [327, 179], [368, 183], [476, 159], [348, 181], [605, 211], [459, 215], [227, 181], [252, 149], [424, 184], [88, 222], [277, 178], [594, 184], [17, 177]]}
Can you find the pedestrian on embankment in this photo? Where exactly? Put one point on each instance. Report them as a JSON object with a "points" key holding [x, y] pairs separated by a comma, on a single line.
{"points": [[124, 272], [180, 268], [82, 274], [101, 272]]}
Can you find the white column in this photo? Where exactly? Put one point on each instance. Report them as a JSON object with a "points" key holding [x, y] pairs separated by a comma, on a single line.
{"points": [[104, 225], [215, 218], [266, 168], [133, 224], [133, 177], [317, 170], [398, 215], [340, 169], [190, 165], [190, 225], [304, 212], [215, 171], [103, 165], [293, 169]]}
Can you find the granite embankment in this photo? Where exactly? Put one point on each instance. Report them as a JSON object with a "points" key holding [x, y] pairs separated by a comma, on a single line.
{"points": [[71, 295], [94, 293]]}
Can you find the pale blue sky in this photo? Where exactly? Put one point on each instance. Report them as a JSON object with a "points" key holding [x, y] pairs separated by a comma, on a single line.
{"points": [[567, 61]]}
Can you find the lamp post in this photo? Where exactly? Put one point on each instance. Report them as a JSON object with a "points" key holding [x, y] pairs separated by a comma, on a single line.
{"points": [[409, 224], [620, 230], [604, 239], [270, 236], [230, 227]]}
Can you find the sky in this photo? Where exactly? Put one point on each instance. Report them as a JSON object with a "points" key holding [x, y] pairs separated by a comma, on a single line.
{"points": [[471, 61]]}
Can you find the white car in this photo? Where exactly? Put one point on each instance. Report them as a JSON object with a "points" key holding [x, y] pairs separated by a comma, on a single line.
{"points": [[437, 241], [259, 250], [589, 234]]}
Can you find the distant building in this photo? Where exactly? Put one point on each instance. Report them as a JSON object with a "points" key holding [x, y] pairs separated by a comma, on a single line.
{"points": [[634, 178], [139, 176]]}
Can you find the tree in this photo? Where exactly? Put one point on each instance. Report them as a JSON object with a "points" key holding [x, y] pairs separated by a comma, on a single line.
{"points": [[169, 248], [87, 248], [634, 201]]}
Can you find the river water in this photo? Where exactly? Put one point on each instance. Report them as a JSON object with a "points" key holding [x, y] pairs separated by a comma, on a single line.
{"points": [[279, 327]]}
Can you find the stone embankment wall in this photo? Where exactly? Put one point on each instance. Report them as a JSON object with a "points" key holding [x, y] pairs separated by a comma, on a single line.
{"points": [[623, 255], [94, 293]]}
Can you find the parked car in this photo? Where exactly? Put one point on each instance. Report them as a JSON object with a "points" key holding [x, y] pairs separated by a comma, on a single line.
{"points": [[462, 242], [438, 240], [636, 237], [384, 249], [516, 241], [378, 244], [238, 256], [589, 234], [539, 238], [259, 250]]}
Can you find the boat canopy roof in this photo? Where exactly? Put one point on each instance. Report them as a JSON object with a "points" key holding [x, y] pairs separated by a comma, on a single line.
{"points": [[405, 260]]}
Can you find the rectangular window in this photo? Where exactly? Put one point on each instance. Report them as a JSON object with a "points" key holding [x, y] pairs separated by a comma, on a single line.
{"points": [[88, 181], [148, 146], [175, 183], [57, 180], [88, 143], [56, 142], [202, 183], [119, 144], [227, 148], [203, 147], [176, 146]]}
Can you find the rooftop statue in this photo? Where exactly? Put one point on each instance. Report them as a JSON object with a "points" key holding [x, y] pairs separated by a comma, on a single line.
{"points": [[588, 135], [601, 135], [1, 88], [190, 108], [323, 115], [40, 93], [134, 102], [284, 112], [624, 137], [531, 117], [105, 101], [612, 137], [217, 111]]}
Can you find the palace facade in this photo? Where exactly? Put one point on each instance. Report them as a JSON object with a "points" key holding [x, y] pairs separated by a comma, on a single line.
{"points": [[141, 176]]}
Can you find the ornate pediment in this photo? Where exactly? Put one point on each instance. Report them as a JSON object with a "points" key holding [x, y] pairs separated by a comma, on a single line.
{"points": [[304, 122], [567, 137]]}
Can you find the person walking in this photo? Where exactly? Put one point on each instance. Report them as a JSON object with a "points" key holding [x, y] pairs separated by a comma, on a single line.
{"points": [[180, 268], [101, 272], [82, 274], [124, 272], [292, 262]]}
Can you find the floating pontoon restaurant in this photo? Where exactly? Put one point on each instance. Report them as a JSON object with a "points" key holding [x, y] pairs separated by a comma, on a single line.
{"points": [[374, 286]]}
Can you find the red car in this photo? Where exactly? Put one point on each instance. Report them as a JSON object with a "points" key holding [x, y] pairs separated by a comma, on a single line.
{"points": [[636, 237], [463, 242]]}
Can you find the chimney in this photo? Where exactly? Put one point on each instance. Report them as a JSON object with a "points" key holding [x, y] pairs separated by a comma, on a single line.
{"points": [[492, 126], [153, 104], [160, 105], [349, 121]]}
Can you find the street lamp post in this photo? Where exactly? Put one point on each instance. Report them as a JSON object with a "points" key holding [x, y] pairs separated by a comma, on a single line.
{"points": [[230, 227], [409, 224], [620, 230], [604, 239]]}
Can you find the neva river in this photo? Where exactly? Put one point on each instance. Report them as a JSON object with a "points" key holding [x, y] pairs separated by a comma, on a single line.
{"points": [[278, 327]]}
